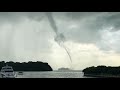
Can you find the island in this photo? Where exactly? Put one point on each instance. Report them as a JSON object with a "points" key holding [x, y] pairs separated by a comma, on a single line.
{"points": [[27, 66], [63, 69], [102, 71]]}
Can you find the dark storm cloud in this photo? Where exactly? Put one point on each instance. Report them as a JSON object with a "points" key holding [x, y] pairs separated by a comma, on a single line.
{"points": [[90, 27], [88, 23], [99, 19]]}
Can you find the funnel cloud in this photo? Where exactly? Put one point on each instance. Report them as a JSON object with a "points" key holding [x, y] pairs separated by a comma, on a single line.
{"points": [[59, 36]]}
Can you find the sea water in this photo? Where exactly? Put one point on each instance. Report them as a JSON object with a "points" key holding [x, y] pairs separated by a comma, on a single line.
{"points": [[52, 74]]}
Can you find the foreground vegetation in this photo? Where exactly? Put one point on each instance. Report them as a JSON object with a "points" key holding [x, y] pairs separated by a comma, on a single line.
{"points": [[102, 71], [27, 66]]}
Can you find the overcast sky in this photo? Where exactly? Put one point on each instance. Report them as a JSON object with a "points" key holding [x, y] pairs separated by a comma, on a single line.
{"points": [[92, 38]]}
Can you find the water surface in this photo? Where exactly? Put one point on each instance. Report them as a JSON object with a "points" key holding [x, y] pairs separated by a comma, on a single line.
{"points": [[52, 74]]}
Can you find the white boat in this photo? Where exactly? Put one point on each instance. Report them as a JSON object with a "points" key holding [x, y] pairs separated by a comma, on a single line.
{"points": [[7, 72]]}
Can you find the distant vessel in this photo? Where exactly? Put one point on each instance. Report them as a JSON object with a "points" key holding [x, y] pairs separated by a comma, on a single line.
{"points": [[64, 69], [7, 72], [20, 73]]}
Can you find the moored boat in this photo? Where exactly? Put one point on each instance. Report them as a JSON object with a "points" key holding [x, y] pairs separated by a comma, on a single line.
{"points": [[7, 72]]}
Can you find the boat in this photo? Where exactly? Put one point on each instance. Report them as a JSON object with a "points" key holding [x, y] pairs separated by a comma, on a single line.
{"points": [[20, 73], [7, 72]]}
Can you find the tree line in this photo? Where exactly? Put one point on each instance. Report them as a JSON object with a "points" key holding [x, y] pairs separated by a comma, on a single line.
{"points": [[102, 70], [27, 66]]}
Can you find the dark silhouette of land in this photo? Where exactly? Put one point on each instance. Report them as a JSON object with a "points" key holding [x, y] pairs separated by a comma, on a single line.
{"points": [[102, 71], [65, 69], [27, 66]]}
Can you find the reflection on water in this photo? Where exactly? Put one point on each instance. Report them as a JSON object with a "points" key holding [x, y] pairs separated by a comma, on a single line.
{"points": [[53, 74]]}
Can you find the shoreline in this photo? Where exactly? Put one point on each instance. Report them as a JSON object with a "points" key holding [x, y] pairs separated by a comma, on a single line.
{"points": [[101, 76]]}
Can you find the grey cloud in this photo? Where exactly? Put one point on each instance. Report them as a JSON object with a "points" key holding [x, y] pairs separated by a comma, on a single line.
{"points": [[81, 15], [90, 24], [13, 17], [87, 30], [18, 36]]}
